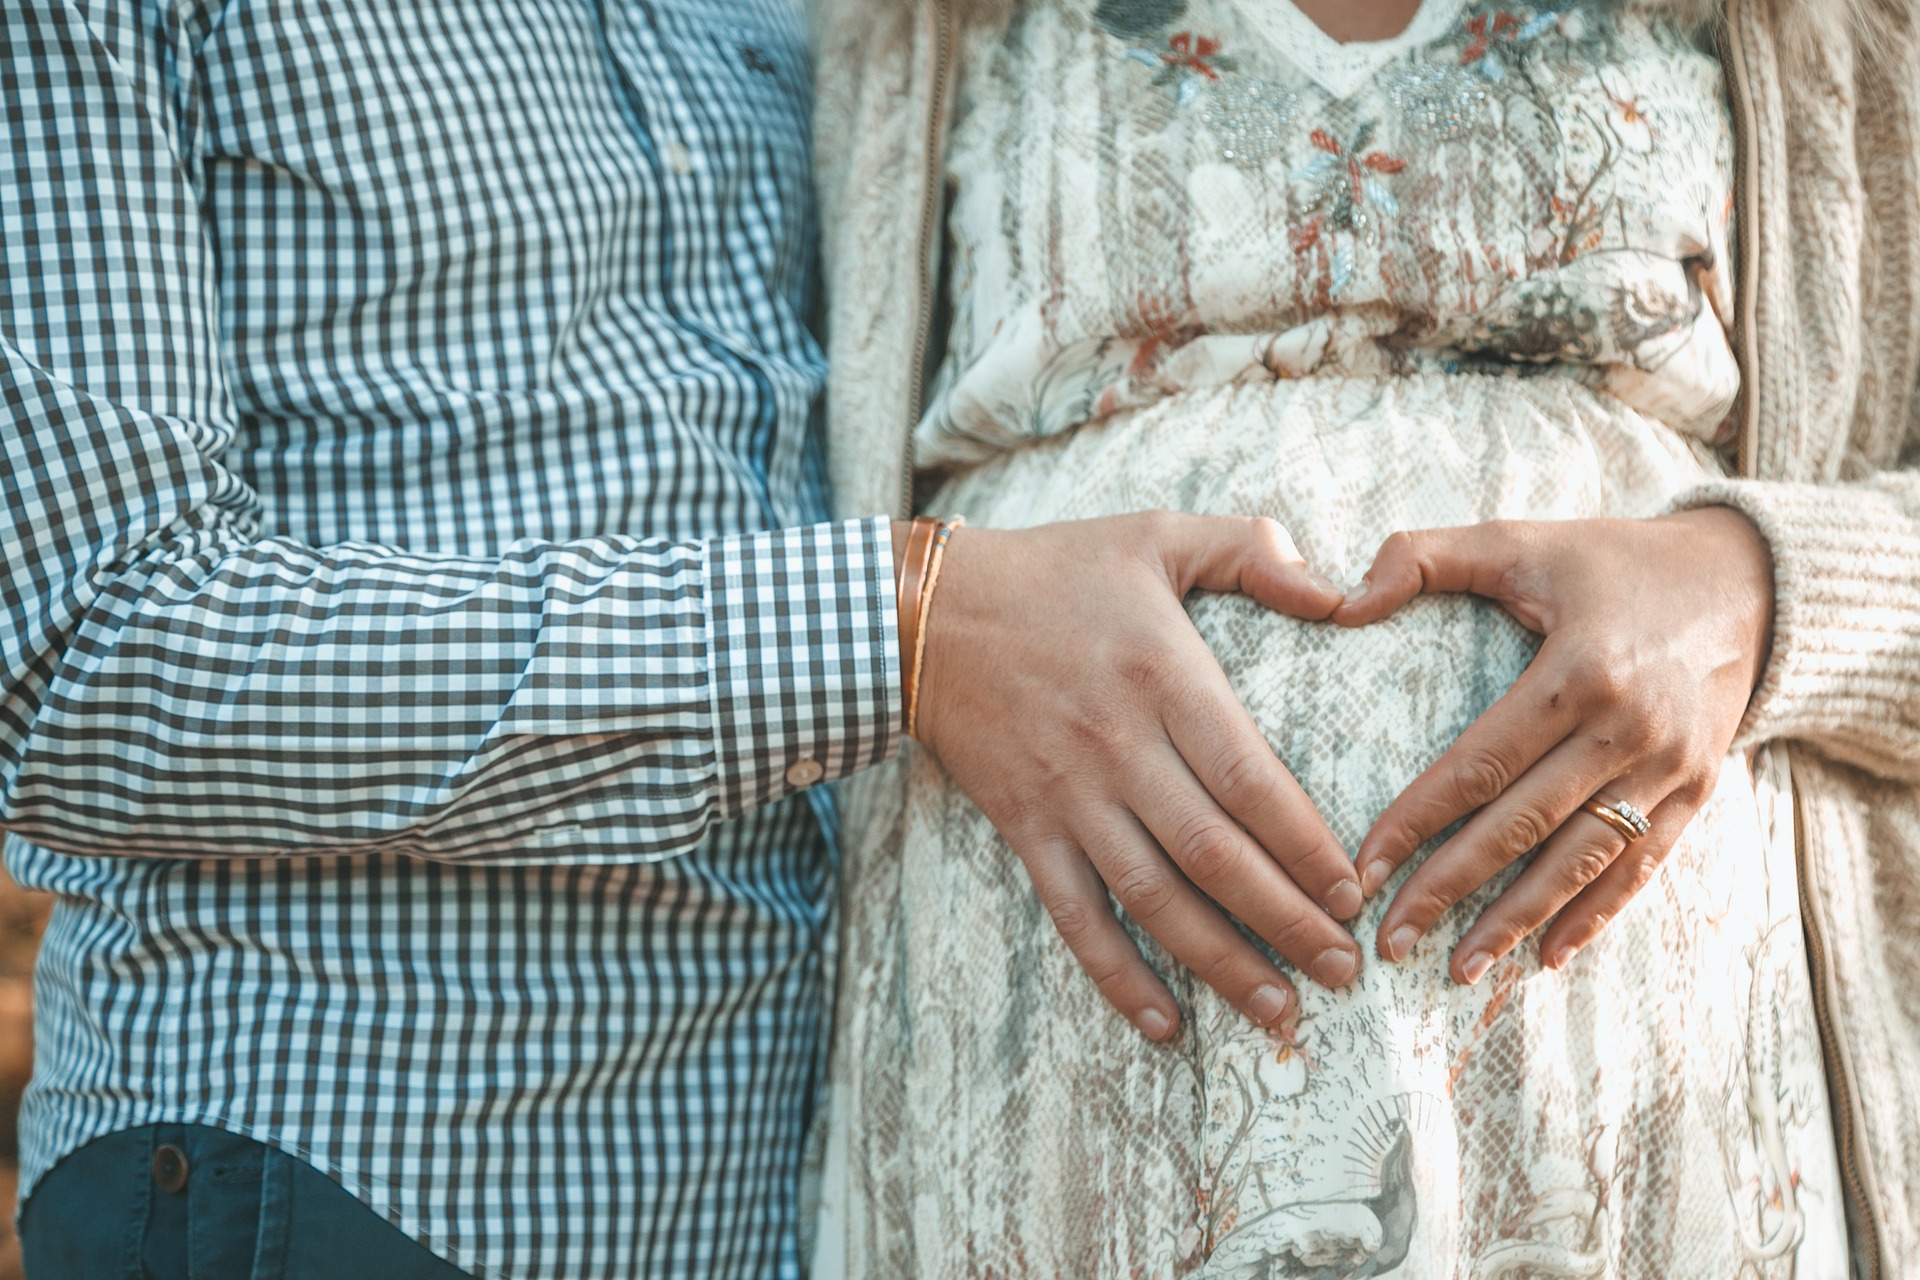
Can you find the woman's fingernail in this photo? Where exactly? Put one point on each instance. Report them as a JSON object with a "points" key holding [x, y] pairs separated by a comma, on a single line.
{"points": [[1400, 942], [1374, 876], [1155, 1024], [1335, 967], [1358, 589], [1558, 960], [1267, 1005], [1476, 967], [1345, 900], [1323, 582]]}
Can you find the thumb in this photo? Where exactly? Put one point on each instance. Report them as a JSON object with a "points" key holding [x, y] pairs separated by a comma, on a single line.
{"points": [[1255, 557], [1473, 558]]}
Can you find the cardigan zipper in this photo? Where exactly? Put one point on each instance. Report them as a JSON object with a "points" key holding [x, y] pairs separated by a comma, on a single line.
{"points": [[1841, 1084], [1841, 1087], [930, 204], [1746, 231]]}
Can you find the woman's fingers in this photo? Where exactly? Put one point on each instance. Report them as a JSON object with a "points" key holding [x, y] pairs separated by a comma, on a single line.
{"points": [[1477, 558], [1528, 721], [1595, 906], [1161, 900], [1521, 818], [1076, 899], [1579, 854], [1225, 863]]}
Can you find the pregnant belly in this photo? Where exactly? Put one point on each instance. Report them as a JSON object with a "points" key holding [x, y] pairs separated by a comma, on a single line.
{"points": [[1342, 463]]}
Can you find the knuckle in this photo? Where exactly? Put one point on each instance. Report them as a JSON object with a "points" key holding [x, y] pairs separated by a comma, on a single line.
{"points": [[1207, 849], [1145, 891], [1150, 668], [1428, 902], [1640, 874], [1400, 545], [1223, 969], [1297, 938], [1608, 679], [1098, 728], [1477, 780], [1076, 920], [1246, 781], [1584, 863], [1523, 829]]}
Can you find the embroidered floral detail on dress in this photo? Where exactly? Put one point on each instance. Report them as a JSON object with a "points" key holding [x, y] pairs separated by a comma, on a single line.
{"points": [[1345, 181], [1500, 36]]}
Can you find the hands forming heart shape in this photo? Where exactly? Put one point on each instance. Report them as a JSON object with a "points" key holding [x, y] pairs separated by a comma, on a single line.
{"points": [[1102, 740]]}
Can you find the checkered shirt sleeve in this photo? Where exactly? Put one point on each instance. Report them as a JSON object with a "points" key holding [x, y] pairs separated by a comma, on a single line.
{"points": [[177, 684]]}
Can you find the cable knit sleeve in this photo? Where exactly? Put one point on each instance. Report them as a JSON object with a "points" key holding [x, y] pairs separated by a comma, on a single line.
{"points": [[1844, 674]]}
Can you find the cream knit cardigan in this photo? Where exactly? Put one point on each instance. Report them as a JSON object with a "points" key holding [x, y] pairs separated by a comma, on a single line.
{"points": [[1827, 97]]}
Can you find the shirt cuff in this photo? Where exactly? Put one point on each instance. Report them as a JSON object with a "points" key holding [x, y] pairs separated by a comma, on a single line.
{"points": [[802, 638]]}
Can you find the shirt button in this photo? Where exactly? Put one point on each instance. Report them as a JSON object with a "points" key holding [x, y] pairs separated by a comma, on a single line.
{"points": [[679, 159], [805, 771], [170, 1168]]}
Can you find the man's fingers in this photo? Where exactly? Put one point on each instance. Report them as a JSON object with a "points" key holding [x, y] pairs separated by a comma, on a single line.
{"points": [[1595, 906], [1575, 856], [1255, 556], [1218, 741], [1225, 864], [1076, 899], [1523, 725], [1160, 899], [1475, 558]]}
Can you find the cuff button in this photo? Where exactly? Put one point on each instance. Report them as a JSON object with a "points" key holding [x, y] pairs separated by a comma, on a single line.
{"points": [[805, 771]]}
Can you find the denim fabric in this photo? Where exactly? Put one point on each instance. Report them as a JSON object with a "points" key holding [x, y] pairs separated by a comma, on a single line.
{"points": [[247, 1212]]}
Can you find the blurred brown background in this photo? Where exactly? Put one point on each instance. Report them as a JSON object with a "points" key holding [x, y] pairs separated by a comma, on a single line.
{"points": [[22, 916]]}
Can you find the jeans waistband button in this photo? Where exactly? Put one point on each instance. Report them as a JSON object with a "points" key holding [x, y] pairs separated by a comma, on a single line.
{"points": [[170, 1168]]}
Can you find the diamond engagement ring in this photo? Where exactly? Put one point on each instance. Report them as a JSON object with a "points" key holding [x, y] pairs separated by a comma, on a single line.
{"points": [[1619, 815]]}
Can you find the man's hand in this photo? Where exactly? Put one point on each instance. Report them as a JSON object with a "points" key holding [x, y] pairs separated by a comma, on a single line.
{"points": [[1067, 693], [1656, 632]]}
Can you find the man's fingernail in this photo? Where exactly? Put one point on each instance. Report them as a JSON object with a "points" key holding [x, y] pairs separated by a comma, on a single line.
{"points": [[1345, 900], [1335, 967], [1476, 967], [1559, 958], [1267, 1004], [1374, 876], [1400, 942], [1155, 1024]]}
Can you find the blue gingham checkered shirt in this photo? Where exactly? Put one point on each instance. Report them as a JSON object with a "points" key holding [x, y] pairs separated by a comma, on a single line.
{"points": [[397, 692]]}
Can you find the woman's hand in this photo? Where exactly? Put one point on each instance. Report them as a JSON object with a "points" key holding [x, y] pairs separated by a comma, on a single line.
{"points": [[1655, 633], [1067, 693]]}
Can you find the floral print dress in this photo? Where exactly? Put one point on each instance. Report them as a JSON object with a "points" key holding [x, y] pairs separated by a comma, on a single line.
{"points": [[1203, 257]]}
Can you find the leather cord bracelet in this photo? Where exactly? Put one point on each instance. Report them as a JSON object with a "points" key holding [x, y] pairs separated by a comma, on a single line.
{"points": [[913, 575], [920, 562]]}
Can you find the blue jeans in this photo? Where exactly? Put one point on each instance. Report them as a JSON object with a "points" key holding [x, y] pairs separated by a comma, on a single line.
{"points": [[187, 1202]]}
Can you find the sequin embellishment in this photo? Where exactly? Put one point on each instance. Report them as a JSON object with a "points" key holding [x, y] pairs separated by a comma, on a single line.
{"points": [[1440, 103], [1249, 117]]}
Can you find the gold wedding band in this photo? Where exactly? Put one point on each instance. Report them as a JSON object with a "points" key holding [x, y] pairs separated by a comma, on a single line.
{"points": [[1619, 815]]}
